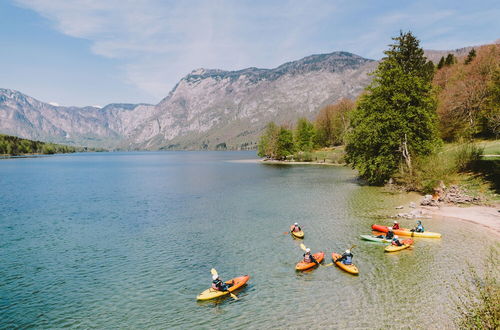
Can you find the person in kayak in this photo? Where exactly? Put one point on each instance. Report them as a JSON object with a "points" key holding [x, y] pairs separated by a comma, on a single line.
{"points": [[419, 228], [395, 225], [396, 241], [389, 235], [346, 258], [296, 228], [308, 257], [218, 285]]}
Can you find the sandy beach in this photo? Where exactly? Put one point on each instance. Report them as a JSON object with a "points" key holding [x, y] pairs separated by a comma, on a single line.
{"points": [[486, 216]]}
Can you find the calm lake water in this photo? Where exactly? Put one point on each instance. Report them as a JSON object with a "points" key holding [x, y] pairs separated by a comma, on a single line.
{"points": [[127, 240]]}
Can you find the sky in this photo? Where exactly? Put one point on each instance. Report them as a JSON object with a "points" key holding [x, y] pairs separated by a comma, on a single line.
{"points": [[96, 52]]}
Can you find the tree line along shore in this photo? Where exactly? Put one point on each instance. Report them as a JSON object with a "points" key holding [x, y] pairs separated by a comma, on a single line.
{"points": [[15, 146], [416, 125]]}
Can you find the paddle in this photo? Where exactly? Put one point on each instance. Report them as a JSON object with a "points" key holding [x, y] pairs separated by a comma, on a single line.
{"points": [[214, 272]]}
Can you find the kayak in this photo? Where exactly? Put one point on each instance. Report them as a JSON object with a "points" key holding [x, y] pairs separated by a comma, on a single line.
{"points": [[393, 248], [373, 238], [211, 293], [406, 232], [306, 265], [348, 268], [299, 234]]}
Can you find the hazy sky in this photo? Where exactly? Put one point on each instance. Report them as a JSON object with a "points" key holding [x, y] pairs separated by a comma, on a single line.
{"points": [[95, 52]]}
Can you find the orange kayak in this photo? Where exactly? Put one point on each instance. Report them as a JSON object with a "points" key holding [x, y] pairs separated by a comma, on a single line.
{"points": [[211, 293], [306, 265], [406, 232], [348, 268], [298, 234]]}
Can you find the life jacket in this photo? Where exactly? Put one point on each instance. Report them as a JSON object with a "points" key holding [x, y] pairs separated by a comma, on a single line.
{"points": [[390, 235], [396, 242], [348, 259], [420, 229], [216, 285], [296, 229], [395, 226], [307, 258]]}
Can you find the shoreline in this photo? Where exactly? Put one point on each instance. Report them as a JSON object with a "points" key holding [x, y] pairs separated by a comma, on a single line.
{"points": [[286, 162], [485, 216]]}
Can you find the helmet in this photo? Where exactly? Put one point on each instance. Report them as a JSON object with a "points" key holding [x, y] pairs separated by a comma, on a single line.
{"points": [[396, 236], [395, 221], [419, 222], [347, 251], [296, 224], [308, 250], [215, 276]]}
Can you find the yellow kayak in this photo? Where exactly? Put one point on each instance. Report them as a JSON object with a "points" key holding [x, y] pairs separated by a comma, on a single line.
{"points": [[298, 234], [348, 268], [393, 248], [211, 293]]}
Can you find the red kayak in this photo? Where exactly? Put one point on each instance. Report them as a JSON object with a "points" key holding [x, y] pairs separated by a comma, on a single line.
{"points": [[406, 232]]}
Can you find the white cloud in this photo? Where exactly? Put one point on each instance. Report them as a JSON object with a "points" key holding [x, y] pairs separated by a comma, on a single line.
{"points": [[161, 41]]}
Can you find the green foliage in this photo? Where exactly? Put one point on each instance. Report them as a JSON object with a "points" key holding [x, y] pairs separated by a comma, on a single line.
{"points": [[470, 56], [450, 60], [268, 143], [396, 119], [477, 298], [11, 145], [286, 146], [441, 63], [304, 135], [467, 155]]}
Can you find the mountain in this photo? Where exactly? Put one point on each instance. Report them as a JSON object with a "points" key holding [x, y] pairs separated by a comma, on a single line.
{"points": [[207, 109]]}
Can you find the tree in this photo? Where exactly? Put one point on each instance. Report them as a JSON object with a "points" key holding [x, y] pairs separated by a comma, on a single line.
{"points": [[332, 123], [304, 135], [466, 92], [470, 57], [268, 144], [450, 60], [441, 63], [395, 120], [286, 146]]}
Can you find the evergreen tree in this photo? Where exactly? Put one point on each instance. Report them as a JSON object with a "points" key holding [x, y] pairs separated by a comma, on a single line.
{"points": [[395, 121], [471, 56], [441, 63], [450, 60], [286, 146], [304, 135]]}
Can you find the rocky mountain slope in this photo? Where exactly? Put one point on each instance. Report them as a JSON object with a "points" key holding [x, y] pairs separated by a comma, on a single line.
{"points": [[207, 109]]}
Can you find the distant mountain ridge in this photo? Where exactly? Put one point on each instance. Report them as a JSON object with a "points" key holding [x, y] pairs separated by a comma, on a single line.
{"points": [[207, 109]]}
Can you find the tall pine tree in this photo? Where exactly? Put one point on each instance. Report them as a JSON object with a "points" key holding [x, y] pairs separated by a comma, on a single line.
{"points": [[395, 120]]}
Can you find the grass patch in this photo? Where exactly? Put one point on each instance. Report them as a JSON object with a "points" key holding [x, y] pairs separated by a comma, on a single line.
{"points": [[325, 155]]}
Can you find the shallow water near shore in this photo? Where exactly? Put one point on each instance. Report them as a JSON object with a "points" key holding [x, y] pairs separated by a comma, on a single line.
{"points": [[127, 240]]}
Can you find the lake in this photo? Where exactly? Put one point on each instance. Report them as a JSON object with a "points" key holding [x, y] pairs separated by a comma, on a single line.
{"points": [[127, 240]]}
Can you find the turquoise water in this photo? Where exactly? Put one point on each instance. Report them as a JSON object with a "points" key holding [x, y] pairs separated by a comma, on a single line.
{"points": [[127, 240]]}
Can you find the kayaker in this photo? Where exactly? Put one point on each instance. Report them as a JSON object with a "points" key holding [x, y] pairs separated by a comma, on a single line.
{"points": [[346, 258], [218, 285], [419, 228], [296, 228], [389, 235], [395, 225], [308, 257], [396, 241]]}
